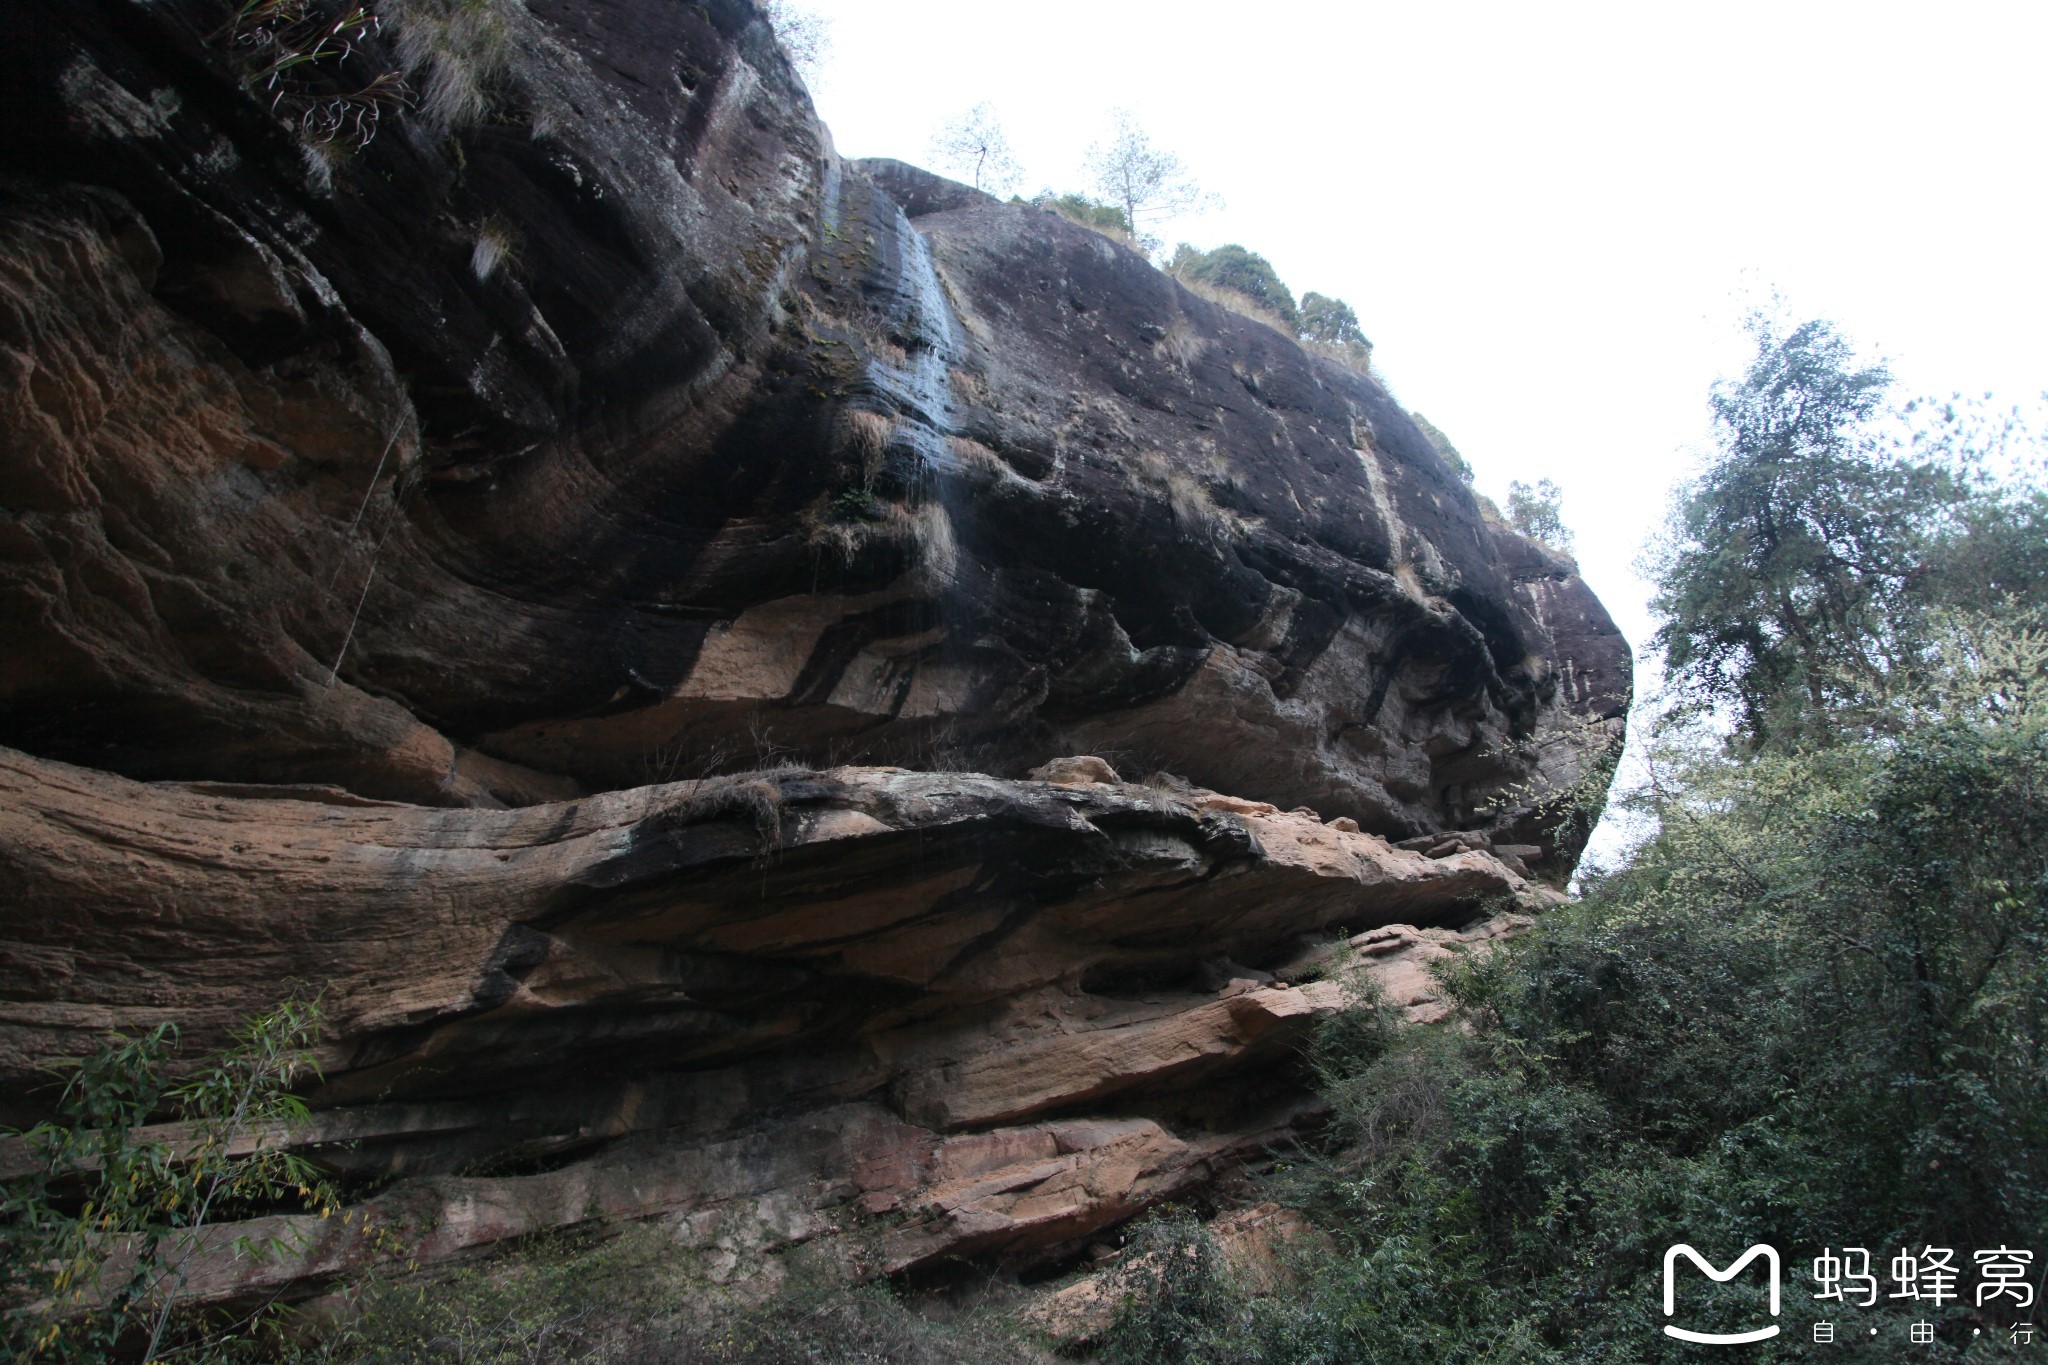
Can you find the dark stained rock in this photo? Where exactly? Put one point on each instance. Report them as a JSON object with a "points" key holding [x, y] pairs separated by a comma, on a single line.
{"points": [[917, 191], [618, 431], [400, 534], [255, 389]]}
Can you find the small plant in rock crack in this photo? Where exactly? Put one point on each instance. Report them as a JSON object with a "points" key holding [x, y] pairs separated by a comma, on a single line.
{"points": [[456, 53], [857, 504], [496, 248], [103, 1219], [291, 53]]}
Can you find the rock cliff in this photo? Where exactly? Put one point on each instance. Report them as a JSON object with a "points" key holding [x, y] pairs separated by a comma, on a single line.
{"points": [[593, 581]]}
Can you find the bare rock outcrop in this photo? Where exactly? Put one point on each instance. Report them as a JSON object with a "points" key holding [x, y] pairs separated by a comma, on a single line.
{"points": [[617, 431], [783, 999], [529, 562]]}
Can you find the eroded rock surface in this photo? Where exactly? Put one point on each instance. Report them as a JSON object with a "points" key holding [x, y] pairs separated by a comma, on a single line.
{"points": [[989, 1009], [399, 540], [617, 431]]}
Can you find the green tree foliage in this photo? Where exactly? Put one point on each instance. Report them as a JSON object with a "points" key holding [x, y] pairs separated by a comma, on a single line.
{"points": [[99, 1231], [1091, 213], [1811, 1009], [1330, 321], [1175, 1299], [1803, 564], [1537, 511], [1329, 328], [1458, 463], [1232, 267]]}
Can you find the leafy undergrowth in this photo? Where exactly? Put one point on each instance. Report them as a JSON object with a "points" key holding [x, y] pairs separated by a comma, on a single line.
{"points": [[1810, 1012]]}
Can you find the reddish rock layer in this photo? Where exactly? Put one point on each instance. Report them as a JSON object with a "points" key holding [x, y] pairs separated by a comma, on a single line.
{"points": [[1010, 1013]]}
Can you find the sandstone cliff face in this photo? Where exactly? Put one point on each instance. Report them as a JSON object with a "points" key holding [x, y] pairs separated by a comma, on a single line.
{"points": [[545, 458], [1005, 1014]]}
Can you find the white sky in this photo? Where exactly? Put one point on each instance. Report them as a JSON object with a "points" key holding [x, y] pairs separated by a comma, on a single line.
{"points": [[1549, 217]]}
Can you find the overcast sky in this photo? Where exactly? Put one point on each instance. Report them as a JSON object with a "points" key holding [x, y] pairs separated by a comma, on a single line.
{"points": [[1549, 217]]}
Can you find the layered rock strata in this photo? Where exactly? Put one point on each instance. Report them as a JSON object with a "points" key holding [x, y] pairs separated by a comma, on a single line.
{"points": [[512, 558], [1001, 1015]]}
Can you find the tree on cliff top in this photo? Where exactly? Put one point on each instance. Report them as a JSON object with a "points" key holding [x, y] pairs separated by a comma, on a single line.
{"points": [[1147, 182], [1537, 511], [1330, 328], [1330, 321], [975, 146], [1232, 267]]}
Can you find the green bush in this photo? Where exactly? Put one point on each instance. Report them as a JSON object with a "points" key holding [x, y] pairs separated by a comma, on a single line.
{"points": [[1175, 1297], [98, 1233], [1810, 1012], [1089, 213], [1232, 267], [1330, 321], [857, 504]]}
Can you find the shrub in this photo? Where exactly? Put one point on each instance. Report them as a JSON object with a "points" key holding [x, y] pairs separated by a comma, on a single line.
{"points": [[107, 1196], [1330, 321], [1107, 219], [637, 1298], [1808, 1011], [858, 504], [1176, 1300], [1232, 267]]}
